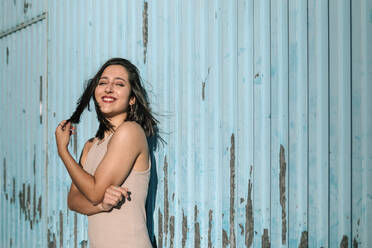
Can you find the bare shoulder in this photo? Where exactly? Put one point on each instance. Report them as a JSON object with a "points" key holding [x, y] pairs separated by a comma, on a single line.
{"points": [[88, 144], [130, 130]]}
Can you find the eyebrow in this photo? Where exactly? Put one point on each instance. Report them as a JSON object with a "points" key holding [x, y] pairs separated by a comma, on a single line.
{"points": [[115, 78]]}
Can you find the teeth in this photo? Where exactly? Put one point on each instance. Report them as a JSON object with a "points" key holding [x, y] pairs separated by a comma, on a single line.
{"points": [[108, 99]]}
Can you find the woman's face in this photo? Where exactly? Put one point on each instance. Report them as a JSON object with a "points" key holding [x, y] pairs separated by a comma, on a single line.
{"points": [[113, 91]]}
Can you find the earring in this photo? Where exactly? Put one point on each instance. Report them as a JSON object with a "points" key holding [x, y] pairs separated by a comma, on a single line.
{"points": [[131, 110]]}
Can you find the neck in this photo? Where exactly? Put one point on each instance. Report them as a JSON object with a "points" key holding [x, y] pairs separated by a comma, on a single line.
{"points": [[115, 121]]}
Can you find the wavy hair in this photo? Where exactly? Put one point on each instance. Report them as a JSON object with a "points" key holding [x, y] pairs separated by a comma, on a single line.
{"points": [[140, 111]]}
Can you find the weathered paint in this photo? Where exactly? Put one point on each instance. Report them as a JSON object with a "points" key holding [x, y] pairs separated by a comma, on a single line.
{"points": [[264, 107]]}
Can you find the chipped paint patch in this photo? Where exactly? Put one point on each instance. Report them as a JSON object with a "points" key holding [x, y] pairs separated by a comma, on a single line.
{"points": [[26, 6], [241, 229], [196, 228], [203, 91], [34, 161], [39, 206], [265, 240], [232, 192], [344, 242], [355, 243], [184, 229], [75, 144], [60, 229], [304, 240], [7, 55], [41, 99], [210, 219], [145, 26], [84, 243], [282, 188], [166, 201], [225, 239], [171, 229], [51, 240], [4, 174], [249, 221], [160, 229], [12, 200], [75, 231]]}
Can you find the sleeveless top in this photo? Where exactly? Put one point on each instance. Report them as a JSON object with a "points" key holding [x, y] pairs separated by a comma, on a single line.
{"points": [[124, 227]]}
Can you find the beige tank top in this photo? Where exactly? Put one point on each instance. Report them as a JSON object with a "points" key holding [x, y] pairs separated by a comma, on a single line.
{"points": [[124, 227]]}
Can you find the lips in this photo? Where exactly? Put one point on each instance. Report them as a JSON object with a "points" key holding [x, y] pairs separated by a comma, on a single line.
{"points": [[108, 99]]}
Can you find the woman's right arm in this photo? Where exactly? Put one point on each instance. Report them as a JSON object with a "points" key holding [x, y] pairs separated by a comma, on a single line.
{"points": [[77, 202]]}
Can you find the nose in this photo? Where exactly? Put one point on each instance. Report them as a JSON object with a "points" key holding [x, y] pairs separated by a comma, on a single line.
{"points": [[108, 87]]}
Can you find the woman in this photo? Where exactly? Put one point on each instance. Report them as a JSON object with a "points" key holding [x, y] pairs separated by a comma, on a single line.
{"points": [[116, 160]]}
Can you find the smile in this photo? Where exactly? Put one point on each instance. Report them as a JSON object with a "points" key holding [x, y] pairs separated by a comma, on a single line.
{"points": [[108, 99]]}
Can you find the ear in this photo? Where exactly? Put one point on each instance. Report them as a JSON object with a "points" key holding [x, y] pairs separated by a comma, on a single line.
{"points": [[132, 100]]}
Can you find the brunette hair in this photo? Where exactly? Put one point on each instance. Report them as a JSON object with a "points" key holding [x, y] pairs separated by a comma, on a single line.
{"points": [[140, 111]]}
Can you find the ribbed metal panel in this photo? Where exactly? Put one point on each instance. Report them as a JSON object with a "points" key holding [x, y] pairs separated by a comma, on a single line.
{"points": [[264, 106], [15, 12], [23, 136]]}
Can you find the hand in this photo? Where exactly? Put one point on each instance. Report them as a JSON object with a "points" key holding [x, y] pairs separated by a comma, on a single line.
{"points": [[63, 132], [114, 197]]}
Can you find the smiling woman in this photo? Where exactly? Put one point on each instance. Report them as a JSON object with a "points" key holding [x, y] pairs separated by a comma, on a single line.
{"points": [[116, 162]]}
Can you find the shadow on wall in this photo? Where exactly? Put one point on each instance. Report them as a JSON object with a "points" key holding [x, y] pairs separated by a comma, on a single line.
{"points": [[153, 187]]}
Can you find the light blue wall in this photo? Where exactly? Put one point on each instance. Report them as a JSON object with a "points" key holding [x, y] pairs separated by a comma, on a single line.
{"points": [[265, 106]]}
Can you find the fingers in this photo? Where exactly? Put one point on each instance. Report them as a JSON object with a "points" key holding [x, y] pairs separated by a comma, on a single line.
{"points": [[118, 191], [66, 125]]}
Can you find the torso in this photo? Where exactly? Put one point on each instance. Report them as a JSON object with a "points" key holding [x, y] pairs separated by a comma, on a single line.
{"points": [[124, 227]]}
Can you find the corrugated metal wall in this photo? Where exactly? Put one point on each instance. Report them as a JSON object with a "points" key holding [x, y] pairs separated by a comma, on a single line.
{"points": [[265, 107]]}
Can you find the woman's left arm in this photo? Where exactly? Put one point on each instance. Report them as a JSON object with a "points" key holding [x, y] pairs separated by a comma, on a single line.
{"points": [[122, 151]]}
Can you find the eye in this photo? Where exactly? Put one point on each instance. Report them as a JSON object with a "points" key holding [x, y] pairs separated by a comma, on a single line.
{"points": [[101, 83], [120, 84]]}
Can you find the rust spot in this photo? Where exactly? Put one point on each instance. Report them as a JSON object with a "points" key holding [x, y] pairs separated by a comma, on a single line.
{"points": [[249, 221], [4, 174], [282, 188], [265, 241], [232, 192], [12, 200], [303, 242], [203, 91], [184, 229], [344, 242], [196, 228], [39, 207], [160, 229], [210, 216], [355, 243], [60, 229], [145, 26], [166, 202], [7, 55], [75, 231], [51, 239], [84, 244], [41, 99], [171, 227]]}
